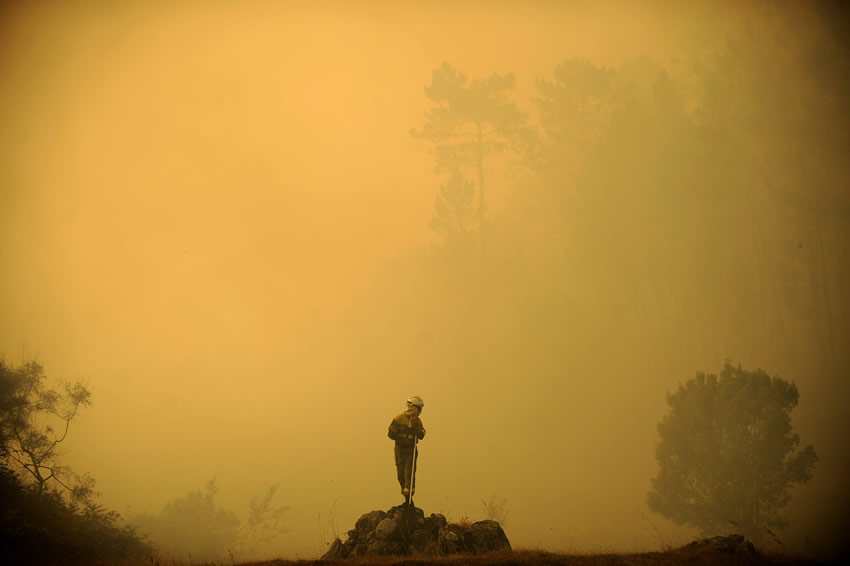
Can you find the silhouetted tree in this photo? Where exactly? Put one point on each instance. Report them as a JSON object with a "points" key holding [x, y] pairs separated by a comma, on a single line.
{"points": [[192, 527], [470, 119], [48, 513], [195, 527], [575, 108], [454, 216], [727, 454], [34, 421], [264, 522]]}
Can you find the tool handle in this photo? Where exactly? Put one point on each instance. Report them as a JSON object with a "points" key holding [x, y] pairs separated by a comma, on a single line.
{"points": [[412, 470]]}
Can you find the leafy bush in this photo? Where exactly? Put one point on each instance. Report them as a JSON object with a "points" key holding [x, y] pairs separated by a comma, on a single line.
{"points": [[41, 527]]}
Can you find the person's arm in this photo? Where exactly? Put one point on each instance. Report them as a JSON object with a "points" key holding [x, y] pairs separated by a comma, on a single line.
{"points": [[392, 431], [418, 429]]}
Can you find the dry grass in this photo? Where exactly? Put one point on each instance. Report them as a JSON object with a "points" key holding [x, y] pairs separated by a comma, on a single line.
{"points": [[677, 557]]}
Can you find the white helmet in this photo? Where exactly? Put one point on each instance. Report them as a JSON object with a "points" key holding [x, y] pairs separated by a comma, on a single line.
{"points": [[416, 400]]}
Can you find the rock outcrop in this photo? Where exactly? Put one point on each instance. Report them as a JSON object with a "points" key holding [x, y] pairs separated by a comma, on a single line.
{"points": [[406, 530], [729, 543]]}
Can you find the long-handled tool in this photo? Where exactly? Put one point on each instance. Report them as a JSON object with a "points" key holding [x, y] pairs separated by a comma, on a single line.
{"points": [[412, 471]]}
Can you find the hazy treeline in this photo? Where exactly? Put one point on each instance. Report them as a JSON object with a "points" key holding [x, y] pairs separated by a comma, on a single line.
{"points": [[195, 528], [653, 222]]}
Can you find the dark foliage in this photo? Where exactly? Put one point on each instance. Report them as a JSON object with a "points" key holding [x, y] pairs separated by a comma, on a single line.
{"points": [[41, 528], [43, 521], [727, 453]]}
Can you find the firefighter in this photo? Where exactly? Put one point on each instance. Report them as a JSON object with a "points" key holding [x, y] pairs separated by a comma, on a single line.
{"points": [[404, 430]]}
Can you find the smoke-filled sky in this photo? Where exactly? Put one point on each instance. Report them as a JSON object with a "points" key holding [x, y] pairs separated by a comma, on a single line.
{"points": [[214, 214]]}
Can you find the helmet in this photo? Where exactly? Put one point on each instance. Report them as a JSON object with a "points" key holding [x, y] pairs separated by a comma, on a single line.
{"points": [[416, 400]]}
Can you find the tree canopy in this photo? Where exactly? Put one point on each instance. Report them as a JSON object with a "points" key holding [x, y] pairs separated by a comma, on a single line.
{"points": [[727, 453], [469, 120], [34, 421]]}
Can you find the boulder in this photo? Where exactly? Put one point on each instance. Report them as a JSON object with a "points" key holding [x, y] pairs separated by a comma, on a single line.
{"points": [[386, 529], [335, 552], [405, 531], [485, 536], [369, 521], [728, 543], [450, 539]]}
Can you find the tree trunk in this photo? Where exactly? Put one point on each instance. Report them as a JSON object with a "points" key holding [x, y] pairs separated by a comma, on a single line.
{"points": [[480, 175], [827, 311], [815, 288]]}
